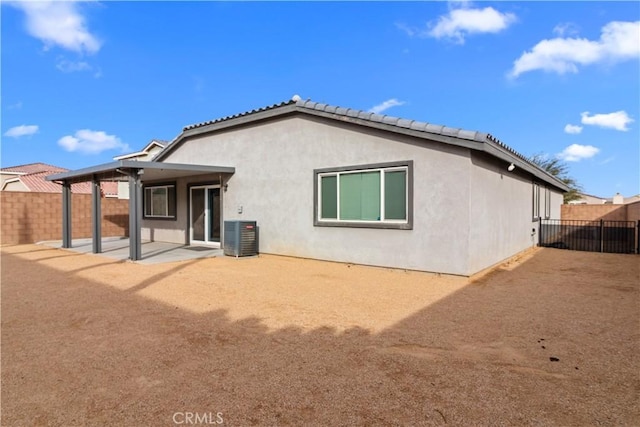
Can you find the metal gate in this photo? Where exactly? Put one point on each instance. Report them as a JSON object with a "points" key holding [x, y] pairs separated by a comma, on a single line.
{"points": [[621, 237]]}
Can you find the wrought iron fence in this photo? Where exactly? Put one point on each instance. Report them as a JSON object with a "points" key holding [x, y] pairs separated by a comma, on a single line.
{"points": [[621, 237]]}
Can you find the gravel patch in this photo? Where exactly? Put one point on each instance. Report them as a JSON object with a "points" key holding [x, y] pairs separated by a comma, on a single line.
{"points": [[551, 338]]}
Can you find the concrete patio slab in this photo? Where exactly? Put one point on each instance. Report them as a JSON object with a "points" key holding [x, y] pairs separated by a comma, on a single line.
{"points": [[152, 252]]}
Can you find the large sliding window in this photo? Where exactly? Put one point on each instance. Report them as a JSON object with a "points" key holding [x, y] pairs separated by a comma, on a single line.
{"points": [[365, 196], [160, 201]]}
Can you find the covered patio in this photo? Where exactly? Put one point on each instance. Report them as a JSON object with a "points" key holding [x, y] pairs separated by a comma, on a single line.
{"points": [[151, 252], [135, 172]]}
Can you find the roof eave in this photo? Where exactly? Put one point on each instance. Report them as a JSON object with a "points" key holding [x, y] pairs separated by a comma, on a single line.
{"points": [[499, 152], [125, 166], [480, 142]]}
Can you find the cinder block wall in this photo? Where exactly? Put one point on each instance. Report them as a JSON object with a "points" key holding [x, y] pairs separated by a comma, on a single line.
{"points": [[630, 212], [32, 217], [594, 212], [633, 211]]}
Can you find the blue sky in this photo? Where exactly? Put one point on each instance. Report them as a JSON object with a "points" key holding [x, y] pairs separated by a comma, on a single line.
{"points": [[85, 81]]}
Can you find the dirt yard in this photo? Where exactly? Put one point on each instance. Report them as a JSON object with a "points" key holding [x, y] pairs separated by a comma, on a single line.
{"points": [[281, 341]]}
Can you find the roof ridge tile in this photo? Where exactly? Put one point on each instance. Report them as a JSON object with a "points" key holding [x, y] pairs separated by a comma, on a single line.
{"points": [[411, 124]]}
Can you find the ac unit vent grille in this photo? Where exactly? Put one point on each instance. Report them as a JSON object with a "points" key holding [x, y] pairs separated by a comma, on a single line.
{"points": [[240, 238]]}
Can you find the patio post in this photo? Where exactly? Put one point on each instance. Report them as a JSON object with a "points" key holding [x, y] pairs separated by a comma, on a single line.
{"points": [[66, 214], [135, 215], [96, 215]]}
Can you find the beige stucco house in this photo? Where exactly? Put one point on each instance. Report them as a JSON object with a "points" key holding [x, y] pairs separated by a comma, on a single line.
{"points": [[340, 184], [146, 154]]}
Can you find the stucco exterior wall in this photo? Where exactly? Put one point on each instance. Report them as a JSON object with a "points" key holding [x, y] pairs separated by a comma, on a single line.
{"points": [[15, 186], [123, 189], [274, 182], [176, 231], [469, 211], [557, 200], [6, 176], [501, 206], [501, 213]]}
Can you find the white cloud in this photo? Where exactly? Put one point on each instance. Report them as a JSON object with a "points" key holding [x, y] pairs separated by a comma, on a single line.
{"points": [[58, 23], [618, 42], [67, 66], [565, 28], [91, 142], [577, 152], [573, 129], [607, 160], [410, 31], [16, 106], [617, 120], [459, 23], [22, 130], [386, 105]]}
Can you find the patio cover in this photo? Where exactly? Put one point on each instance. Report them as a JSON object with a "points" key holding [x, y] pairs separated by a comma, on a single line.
{"points": [[135, 172]]}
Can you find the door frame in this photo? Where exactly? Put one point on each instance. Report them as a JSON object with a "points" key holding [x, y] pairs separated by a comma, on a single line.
{"points": [[205, 186]]}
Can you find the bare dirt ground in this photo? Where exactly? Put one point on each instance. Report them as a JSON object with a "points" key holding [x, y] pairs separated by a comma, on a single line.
{"points": [[282, 341]]}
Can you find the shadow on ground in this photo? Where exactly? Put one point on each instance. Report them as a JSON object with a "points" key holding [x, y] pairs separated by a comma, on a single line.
{"points": [[76, 352]]}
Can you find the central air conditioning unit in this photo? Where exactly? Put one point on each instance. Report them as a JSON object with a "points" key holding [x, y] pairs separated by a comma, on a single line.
{"points": [[240, 238]]}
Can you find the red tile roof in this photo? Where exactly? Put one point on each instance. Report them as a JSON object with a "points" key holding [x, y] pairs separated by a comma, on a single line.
{"points": [[36, 182], [35, 174], [109, 188], [34, 168]]}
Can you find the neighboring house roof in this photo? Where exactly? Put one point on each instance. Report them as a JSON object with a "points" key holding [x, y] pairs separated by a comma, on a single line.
{"points": [[37, 183], [589, 195], [632, 199], [585, 198], [145, 151], [622, 200], [32, 168], [470, 139]]}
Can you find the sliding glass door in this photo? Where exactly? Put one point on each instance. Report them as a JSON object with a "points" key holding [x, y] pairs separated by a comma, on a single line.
{"points": [[205, 218]]}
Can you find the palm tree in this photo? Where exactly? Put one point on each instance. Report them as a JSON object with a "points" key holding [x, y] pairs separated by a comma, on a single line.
{"points": [[556, 167]]}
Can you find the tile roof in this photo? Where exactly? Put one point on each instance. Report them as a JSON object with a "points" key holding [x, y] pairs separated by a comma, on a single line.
{"points": [[467, 138], [425, 127], [33, 168], [235, 116], [37, 183], [109, 188]]}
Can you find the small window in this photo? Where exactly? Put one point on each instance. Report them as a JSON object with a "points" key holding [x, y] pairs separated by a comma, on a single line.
{"points": [[536, 201], [547, 203], [375, 196], [160, 201]]}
